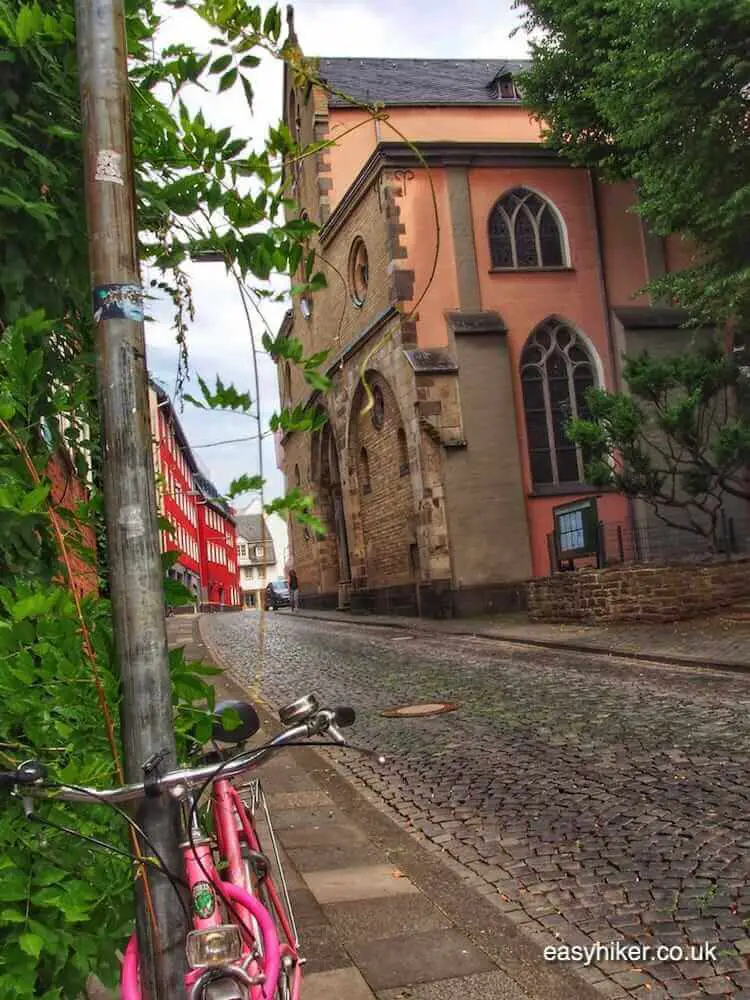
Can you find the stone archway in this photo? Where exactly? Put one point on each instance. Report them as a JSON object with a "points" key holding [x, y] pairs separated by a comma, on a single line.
{"points": [[378, 451], [335, 567]]}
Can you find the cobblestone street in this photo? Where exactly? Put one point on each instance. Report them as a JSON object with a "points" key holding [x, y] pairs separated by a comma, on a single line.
{"points": [[594, 801]]}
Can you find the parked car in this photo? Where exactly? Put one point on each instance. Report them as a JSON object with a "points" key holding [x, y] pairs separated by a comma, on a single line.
{"points": [[277, 595]]}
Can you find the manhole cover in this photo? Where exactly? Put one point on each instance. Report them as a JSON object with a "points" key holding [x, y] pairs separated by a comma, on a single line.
{"points": [[429, 708]]}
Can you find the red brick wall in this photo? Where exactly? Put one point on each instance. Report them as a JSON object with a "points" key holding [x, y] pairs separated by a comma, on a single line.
{"points": [[639, 593], [68, 492]]}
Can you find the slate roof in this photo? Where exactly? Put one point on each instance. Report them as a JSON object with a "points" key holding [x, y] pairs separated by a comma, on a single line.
{"points": [[417, 81], [212, 495], [249, 528]]}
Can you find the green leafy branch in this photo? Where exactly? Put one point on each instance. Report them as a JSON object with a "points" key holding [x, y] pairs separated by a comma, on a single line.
{"points": [[223, 398], [679, 439]]}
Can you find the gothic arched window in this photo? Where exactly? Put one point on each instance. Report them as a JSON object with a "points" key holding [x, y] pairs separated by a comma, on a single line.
{"points": [[556, 371], [524, 233], [378, 408]]}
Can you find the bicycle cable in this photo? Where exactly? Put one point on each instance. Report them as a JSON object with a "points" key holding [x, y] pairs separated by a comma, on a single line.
{"points": [[112, 849], [159, 865], [195, 805]]}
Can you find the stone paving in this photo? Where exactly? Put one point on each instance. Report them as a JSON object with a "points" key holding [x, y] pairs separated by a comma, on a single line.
{"points": [[591, 800], [378, 918], [722, 639]]}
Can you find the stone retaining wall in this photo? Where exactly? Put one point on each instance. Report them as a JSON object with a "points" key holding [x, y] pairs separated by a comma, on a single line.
{"points": [[639, 593]]}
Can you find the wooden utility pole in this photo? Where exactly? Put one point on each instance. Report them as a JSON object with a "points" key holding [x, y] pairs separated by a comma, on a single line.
{"points": [[135, 572]]}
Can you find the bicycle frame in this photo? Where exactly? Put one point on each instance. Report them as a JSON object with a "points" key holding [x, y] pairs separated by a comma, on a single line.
{"points": [[233, 824], [228, 805], [243, 888]]}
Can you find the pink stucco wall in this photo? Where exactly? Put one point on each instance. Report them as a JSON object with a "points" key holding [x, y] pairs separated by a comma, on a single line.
{"points": [[604, 270]]}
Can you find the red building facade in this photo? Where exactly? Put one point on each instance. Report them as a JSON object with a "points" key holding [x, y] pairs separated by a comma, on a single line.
{"points": [[220, 575], [203, 529], [68, 491]]}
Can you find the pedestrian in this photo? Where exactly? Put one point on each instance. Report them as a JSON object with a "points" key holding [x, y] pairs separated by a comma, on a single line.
{"points": [[293, 590]]}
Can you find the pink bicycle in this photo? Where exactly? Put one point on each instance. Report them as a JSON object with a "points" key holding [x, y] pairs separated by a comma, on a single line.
{"points": [[244, 943]]}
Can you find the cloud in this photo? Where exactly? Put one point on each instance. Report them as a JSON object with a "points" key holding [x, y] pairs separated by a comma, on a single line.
{"points": [[420, 29], [218, 341]]}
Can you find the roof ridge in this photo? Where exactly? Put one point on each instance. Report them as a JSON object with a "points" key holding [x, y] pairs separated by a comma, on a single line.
{"points": [[430, 81]]}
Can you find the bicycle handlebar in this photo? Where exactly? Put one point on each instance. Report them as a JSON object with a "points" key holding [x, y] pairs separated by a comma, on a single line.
{"points": [[31, 774]]}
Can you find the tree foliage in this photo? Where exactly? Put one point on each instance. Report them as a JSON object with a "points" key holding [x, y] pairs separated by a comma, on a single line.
{"points": [[657, 91], [65, 907], [678, 440], [58, 669]]}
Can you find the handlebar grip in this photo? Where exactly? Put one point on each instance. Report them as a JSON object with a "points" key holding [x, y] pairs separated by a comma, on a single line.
{"points": [[344, 716], [27, 774], [31, 771]]}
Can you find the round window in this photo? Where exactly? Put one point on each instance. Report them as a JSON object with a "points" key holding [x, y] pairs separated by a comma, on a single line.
{"points": [[358, 272], [378, 408]]}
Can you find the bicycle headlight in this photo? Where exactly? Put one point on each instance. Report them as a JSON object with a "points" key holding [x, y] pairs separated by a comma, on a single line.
{"points": [[214, 946]]}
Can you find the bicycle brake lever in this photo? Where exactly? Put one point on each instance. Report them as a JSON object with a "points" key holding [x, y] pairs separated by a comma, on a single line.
{"points": [[323, 724], [339, 738], [336, 735]]}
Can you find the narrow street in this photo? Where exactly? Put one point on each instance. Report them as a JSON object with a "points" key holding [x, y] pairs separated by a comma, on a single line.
{"points": [[595, 801]]}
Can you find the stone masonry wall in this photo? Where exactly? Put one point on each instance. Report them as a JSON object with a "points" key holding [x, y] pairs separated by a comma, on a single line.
{"points": [[307, 115], [297, 458], [420, 491], [403, 532], [385, 493], [336, 319], [639, 593]]}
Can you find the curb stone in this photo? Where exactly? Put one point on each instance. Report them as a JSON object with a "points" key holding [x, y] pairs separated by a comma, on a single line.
{"points": [[416, 626]]}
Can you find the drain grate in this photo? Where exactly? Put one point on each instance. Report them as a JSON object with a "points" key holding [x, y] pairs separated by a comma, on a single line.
{"points": [[420, 711]]}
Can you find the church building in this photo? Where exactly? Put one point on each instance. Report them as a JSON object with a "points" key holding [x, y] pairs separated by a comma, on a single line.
{"points": [[480, 285]]}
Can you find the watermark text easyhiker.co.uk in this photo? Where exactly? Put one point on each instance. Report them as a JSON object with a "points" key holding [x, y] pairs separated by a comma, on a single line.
{"points": [[618, 951]]}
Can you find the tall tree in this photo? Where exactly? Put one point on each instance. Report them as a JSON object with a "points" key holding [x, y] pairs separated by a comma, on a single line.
{"points": [[196, 186], [679, 440], [658, 91]]}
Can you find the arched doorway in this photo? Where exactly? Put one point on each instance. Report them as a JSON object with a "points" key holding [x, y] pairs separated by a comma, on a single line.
{"points": [[380, 472], [335, 563]]}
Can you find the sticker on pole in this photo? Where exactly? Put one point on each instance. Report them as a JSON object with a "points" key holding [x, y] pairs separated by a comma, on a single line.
{"points": [[118, 302], [109, 167]]}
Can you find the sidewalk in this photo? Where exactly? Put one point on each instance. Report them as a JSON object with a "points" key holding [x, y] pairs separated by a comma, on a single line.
{"points": [[379, 916], [718, 642]]}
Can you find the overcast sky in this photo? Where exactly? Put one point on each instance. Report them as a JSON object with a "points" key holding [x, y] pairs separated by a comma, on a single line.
{"points": [[219, 341]]}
